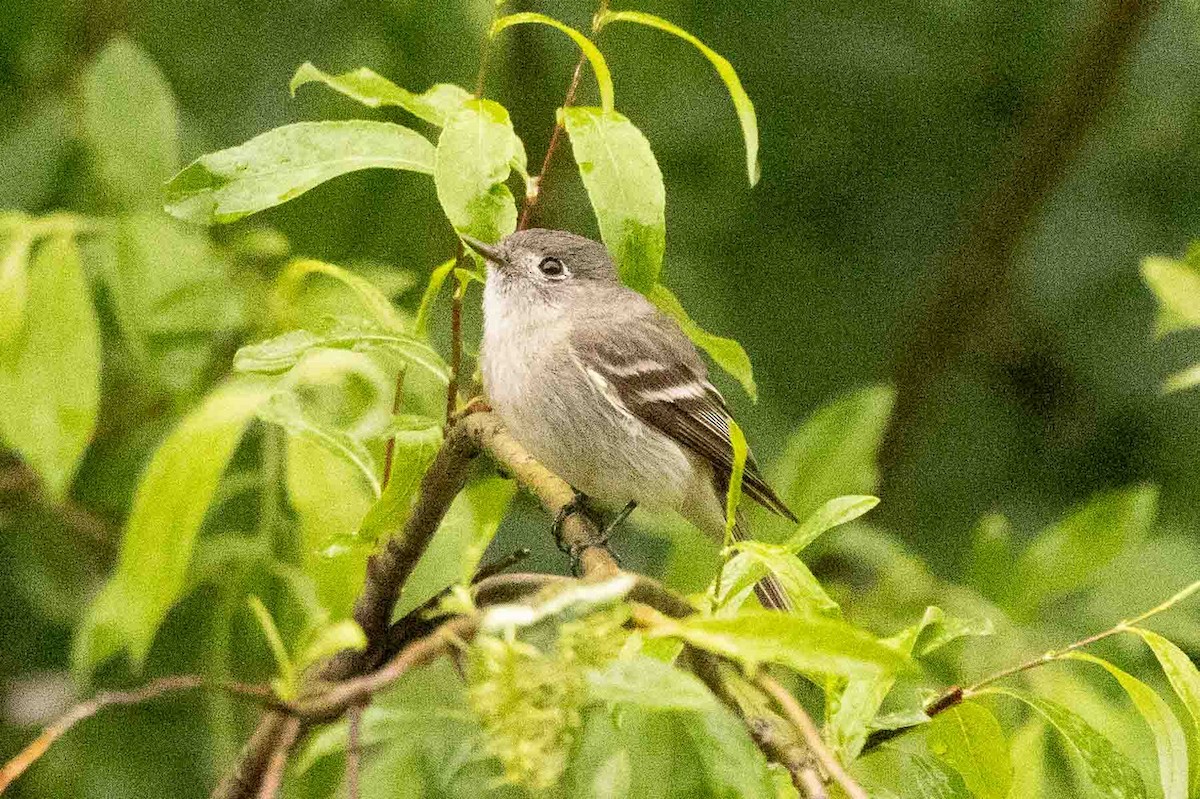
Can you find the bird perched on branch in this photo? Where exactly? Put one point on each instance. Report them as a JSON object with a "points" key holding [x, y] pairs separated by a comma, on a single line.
{"points": [[605, 389]]}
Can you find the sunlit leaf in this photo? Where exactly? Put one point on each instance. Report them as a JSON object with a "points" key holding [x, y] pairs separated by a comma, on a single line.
{"points": [[284, 409], [282, 164], [130, 124], [741, 101], [1068, 555], [1176, 285], [16, 242], [968, 738], [1183, 379], [713, 740], [902, 773], [474, 155], [834, 452], [330, 639], [754, 560], [50, 374], [1181, 672], [1028, 748], [172, 499], [1109, 771], [371, 89], [413, 453], [806, 643], [373, 300], [1169, 738], [595, 58], [725, 352], [283, 352], [436, 279], [625, 188], [837, 511], [733, 495]]}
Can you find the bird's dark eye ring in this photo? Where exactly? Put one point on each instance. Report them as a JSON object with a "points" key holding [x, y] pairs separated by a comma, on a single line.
{"points": [[552, 267]]}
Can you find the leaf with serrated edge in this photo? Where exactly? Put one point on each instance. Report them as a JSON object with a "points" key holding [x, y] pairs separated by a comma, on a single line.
{"points": [[725, 352], [1169, 738], [283, 163], [1109, 771], [625, 188], [741, 100]]}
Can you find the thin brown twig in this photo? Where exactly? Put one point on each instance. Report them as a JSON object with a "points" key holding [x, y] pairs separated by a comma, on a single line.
{"points": [[456, 312], [389, 449], [353, 750], [804, 724], [15, 767], [273, 776], [537, 182]]}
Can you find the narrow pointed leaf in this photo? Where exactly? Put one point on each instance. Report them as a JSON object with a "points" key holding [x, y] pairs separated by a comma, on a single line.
{"points": [[373, 300], [625, 188], [755, 559], [741, 100], [50, 373], [16, 242], [733, 496], [1176, 285], [171, 501], [594, 57], [812, 644], [436, 279], [968, 738], [282, 164], [474, 155], [1184, 677], [1169, 738], [725, 352], [413, 452], [833, 513], [1110, 772], [372, 89], [283, 352], [285, 410]]}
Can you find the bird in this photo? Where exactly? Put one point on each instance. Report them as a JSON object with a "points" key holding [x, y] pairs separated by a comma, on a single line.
{"points": [[605, 389]]}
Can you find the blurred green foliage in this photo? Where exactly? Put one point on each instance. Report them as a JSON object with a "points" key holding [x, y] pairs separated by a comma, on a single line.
{"points": [[879, 126]]}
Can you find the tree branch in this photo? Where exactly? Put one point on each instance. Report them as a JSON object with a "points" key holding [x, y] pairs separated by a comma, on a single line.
{"points": [[982, 263]]}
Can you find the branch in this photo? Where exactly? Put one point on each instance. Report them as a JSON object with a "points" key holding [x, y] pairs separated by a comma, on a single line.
{"points": [[983, 261], [273, 776], [15, 767]]}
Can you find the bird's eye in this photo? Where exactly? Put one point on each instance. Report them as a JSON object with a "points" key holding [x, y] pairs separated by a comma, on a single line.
{"points": [[552, 267]]}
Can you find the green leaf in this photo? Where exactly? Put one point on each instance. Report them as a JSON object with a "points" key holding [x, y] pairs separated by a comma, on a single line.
{"points": [[725, 352], [834, 452], [171, 502], [594, 57], [282, 164], [16, 242], [330, 639], [50, 375], [625, 188], [1181, 672], [457, 548], [557, 604], [330, 501], [414, 451], [937, 629], [281, 353], [805, 643], [373, 300], [1028, 748], [833, 513], [1068, 555], [754, 560], [896, 773], [130, 124], [284, 409], [1109, 771], [371, 89], [707, 736], [1169, 738], [1181, 380], [1176, 285], [286, 684], [474, 154], [968, 738], [741, 100], [436, 279]]}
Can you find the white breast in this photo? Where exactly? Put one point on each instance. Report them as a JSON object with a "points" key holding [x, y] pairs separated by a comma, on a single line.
{"points": [[568, 418]]}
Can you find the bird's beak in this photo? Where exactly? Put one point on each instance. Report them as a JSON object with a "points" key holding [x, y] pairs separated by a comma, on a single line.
{"points": [[488, 251]]}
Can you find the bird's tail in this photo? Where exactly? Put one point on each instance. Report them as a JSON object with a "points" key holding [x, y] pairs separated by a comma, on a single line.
{"points": [[769, 590]]}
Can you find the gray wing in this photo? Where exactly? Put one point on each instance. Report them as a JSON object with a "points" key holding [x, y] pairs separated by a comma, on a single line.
{"points": [[655, 372]]}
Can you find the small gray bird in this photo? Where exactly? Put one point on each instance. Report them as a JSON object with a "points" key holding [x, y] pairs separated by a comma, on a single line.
{"points": [[604, 389]]}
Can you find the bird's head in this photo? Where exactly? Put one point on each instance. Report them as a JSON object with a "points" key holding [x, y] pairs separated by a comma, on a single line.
{"points": [[548, 264]]}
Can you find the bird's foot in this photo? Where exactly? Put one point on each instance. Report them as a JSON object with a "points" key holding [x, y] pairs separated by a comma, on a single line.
{"points": [[580, 505]]}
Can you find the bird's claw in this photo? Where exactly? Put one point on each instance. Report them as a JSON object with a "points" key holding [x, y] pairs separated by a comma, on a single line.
{"points": [[575, 550]]}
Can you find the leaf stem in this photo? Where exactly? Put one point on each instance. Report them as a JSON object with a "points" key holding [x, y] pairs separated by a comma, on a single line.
{"points": [[389, 449], [1057, 654]]}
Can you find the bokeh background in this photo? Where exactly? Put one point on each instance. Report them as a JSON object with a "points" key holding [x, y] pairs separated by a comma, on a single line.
{"points": [[883, 127]]}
